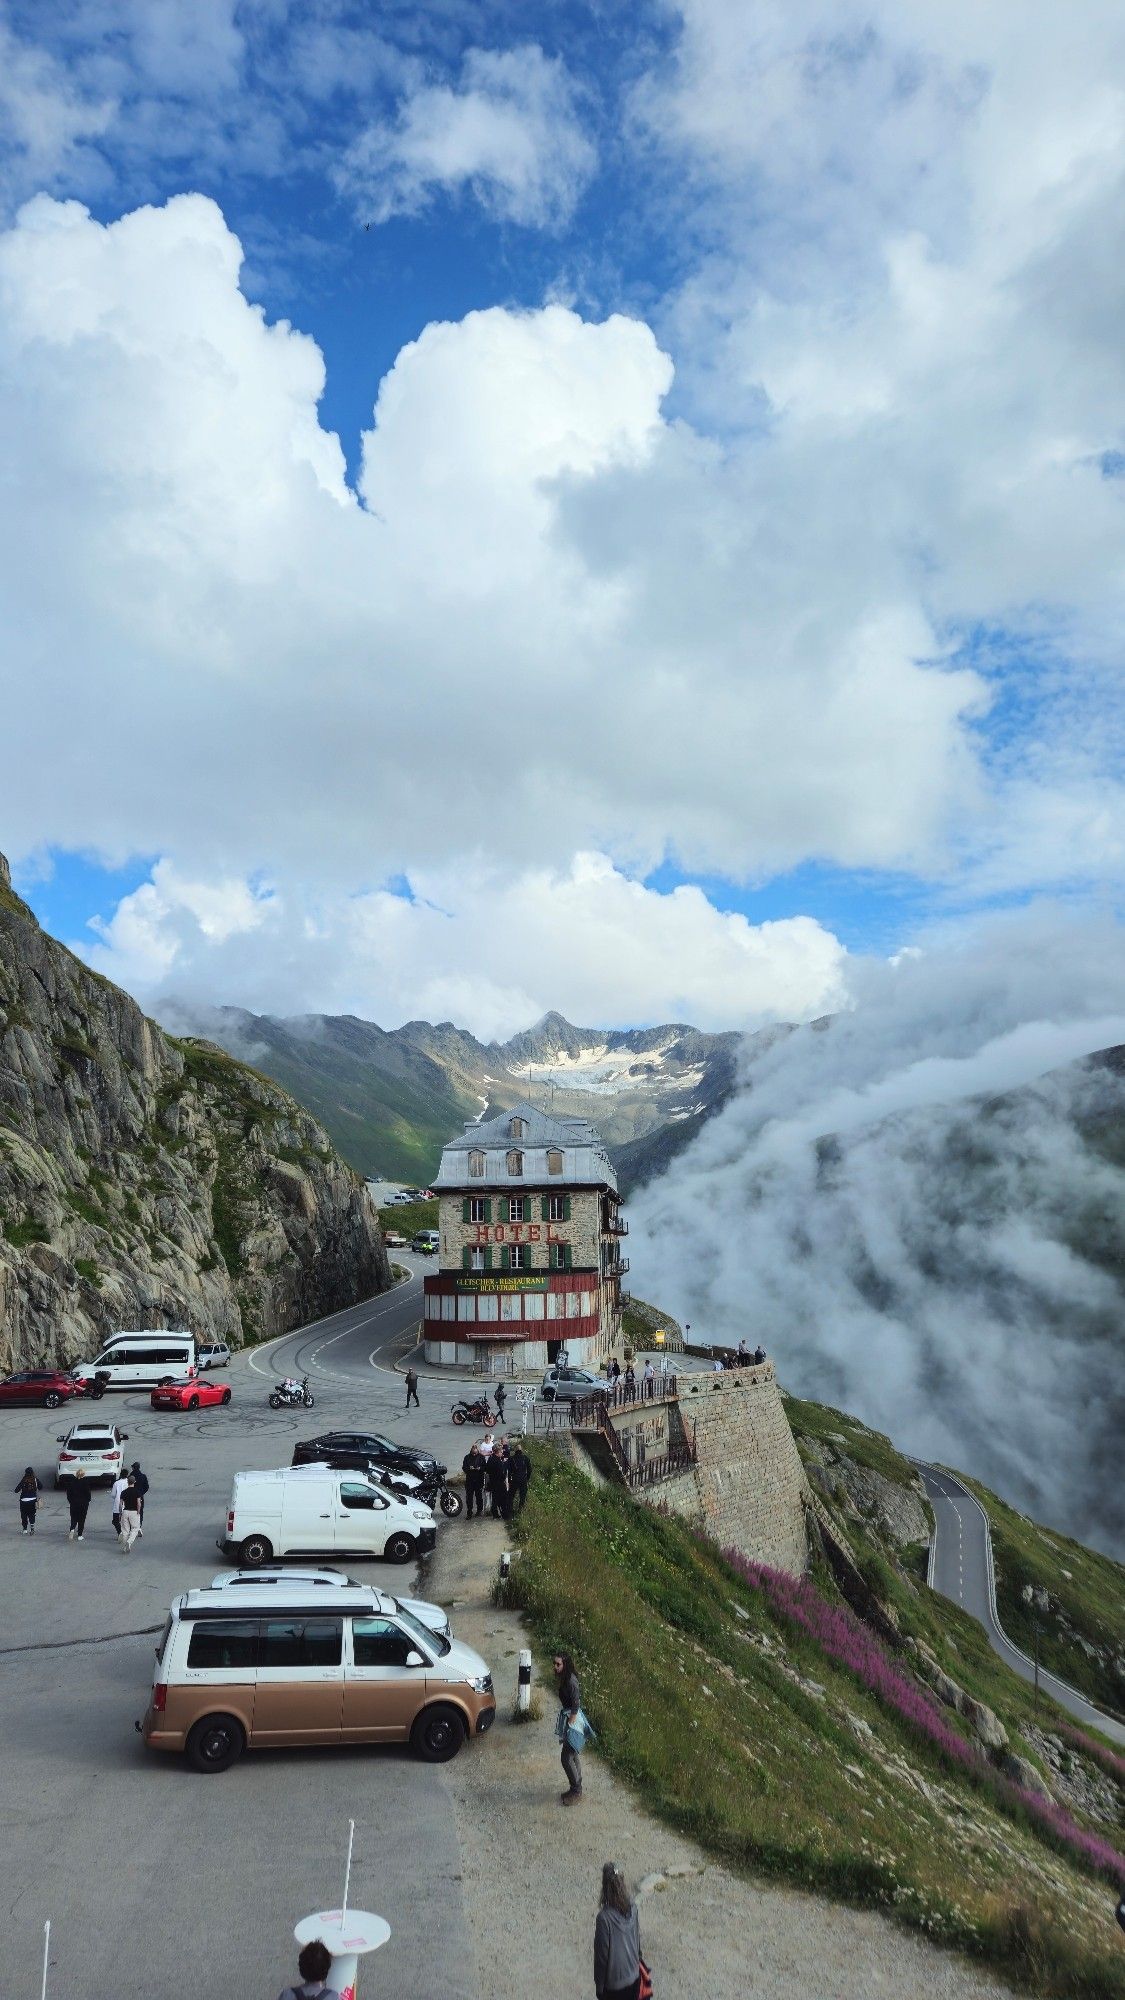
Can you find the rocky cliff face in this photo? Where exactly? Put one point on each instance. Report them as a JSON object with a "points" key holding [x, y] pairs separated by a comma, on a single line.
{"points": [[146, 1181]]}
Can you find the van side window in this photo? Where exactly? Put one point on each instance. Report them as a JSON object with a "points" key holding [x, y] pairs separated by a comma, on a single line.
{"points": [[223, 1643], [301, 1642], [376, 1642], [360, 1496]]}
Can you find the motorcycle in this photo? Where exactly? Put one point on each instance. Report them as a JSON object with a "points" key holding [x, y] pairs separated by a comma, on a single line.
{"points": [[434, 1490], [478, 1412], [285, 1396]]}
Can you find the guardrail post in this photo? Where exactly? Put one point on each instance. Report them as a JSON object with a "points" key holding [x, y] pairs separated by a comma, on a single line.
{"points": [[523, 1685]]}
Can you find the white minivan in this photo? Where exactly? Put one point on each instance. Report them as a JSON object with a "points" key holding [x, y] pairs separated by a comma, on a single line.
{"points": [[141, 1360], [319, 1510]]}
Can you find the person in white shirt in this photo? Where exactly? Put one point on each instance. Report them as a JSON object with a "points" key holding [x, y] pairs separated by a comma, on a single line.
{"points": [[486, 1447], [119, 1485]]}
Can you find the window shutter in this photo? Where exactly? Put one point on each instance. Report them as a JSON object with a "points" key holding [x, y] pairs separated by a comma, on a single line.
{"points": [[465, 1209], [488, 1258], [488, 1211], [566, 1208], [465, 1264], [544, 1208], [504, 1258], [569, 1255]]}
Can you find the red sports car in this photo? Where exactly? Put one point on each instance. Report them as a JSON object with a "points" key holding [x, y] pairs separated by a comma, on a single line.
{"points": [[193, 1394]]}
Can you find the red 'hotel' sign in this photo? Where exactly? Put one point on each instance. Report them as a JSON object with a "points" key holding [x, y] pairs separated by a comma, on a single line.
{"points": [[517, 1232]]}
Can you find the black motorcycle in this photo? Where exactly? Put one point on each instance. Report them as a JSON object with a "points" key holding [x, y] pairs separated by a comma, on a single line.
{"points": [[479, 1412], [432, 1491], [287, 1398]]}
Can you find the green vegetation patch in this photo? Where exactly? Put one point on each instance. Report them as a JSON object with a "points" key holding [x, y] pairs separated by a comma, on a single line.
{"points": [[20, 1234], [746, 1735], [835, 1427], [408, 1217]]}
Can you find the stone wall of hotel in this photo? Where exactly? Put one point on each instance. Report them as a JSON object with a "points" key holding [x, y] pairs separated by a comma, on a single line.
{"points": [[582, 1232]]}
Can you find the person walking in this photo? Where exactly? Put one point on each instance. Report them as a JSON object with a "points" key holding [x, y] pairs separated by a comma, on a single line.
{"points": [[498, 1484], [78, 1492], [130, 1516], [140, 1481], [314, 1965], [499, 1399], [617, 1940], [519, 1472], [570, 1704], [412, 1388], [29, 1489], [474, 1466], [116, 1490]]}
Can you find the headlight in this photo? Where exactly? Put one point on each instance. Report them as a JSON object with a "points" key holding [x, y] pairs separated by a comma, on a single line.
{"points": [[481, 1683]]}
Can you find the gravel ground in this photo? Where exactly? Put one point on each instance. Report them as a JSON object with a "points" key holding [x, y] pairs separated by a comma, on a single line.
{"points": [[532, 1869]]}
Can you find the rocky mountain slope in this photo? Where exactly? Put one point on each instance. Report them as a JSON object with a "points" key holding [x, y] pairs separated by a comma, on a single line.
{"points": [[146, 1181], [390, 1099]]}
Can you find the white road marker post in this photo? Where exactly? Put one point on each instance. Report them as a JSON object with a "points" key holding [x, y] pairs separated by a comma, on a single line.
{"points": [[523, 1686], [505, 1565], [46, 1956]]}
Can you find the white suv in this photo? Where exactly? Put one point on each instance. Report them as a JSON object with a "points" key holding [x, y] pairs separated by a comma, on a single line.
{"points": [[96, 1448]]}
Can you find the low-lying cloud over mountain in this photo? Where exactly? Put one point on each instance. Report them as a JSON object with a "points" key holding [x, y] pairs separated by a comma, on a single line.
{"points": [[920, 1208]]}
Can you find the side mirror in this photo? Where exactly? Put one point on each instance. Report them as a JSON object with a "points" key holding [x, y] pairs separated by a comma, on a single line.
{"points": [[124, 1437], [414, 1658], [61, 1439]]}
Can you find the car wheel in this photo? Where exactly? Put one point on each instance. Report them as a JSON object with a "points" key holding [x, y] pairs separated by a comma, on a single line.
{"points": [[399, 1549], [255, 1550], [226, 1395], [458, 1416], [52, 1399], [451, 1504], [548, 1395], [193, 1402], [438, 1734], [216, 1743]]}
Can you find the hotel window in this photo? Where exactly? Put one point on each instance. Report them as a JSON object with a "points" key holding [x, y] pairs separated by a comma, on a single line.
{"points": [[478, 1209], [511, 1306], [554, 1161], [466, 1307], [433, 1306], [477, 1260], [533, 1305], [515, 1163], [560, 1256], [556, 1305], [476, 1164], [488, 1306], [517, 1128], [558, 1208], [519, 1257], [519, 1208], [448, 1306]]}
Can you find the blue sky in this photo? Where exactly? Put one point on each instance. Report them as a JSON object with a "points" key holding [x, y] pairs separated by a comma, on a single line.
{"points": [[730, 587]]}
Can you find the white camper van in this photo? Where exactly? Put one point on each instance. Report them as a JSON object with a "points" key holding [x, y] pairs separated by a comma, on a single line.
{"points": [[303, 1510], [141, 1360]]}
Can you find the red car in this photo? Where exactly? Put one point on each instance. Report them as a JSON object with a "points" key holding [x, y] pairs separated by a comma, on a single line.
{"points": [[193, 1394], [39, 1385]]}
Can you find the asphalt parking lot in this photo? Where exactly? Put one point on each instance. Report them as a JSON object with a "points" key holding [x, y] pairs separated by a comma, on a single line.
{"points": [[158, 1882]]}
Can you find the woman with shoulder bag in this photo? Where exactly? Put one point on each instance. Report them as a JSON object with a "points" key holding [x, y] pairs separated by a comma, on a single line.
{"points": [[620, 1972]]}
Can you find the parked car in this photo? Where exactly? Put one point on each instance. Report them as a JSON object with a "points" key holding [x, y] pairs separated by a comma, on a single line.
{"points": [[426, 1243], [39, 1385], [316, 1510], [255, 1668], [212, 1354], [571, 1385], [359, 1449], [193, 1394], [393, 1240], [95, 1448], [433, 1615]]}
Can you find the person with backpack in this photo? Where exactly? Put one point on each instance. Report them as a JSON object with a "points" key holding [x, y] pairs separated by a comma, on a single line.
{"points": [[140, 1481], [130, 1516], [570, 1710], [28, 1488], [617, 1940], [78, 1492], [314, 1965]]}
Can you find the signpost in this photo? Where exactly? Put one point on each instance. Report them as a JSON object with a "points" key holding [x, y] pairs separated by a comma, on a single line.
{"points": [[525, 1397], [348, 1934]]}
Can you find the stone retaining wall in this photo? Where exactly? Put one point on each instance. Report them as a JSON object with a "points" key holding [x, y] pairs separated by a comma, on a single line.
{"points": [[747, 1489]]}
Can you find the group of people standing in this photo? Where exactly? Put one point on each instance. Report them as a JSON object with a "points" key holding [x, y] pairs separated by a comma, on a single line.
{"points": [[500, 1467], [127, 1503]]}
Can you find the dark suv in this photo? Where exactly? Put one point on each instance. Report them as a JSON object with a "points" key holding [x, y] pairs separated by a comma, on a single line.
{"points": [[355, 1450]]}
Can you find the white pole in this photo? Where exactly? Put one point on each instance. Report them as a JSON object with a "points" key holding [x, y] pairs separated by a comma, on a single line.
{"points": [[46, 1955], [348, 1873], [523, 1686]]}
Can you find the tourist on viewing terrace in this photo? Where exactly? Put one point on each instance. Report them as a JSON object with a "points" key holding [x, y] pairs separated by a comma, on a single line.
{"points": [[314, 1965], [759, 1354], [617, 1940], [648, 1378], [629, 1385]]}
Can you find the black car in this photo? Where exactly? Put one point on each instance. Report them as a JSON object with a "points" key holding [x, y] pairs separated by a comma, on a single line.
{"points": [[358, 1449]]}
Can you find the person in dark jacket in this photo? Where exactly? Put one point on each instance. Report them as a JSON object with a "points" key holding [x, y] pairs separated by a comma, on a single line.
{"points": [[570, 1701], [314, 1965], [519, 1468], [27, 1486], [140, 1481], [498, 1399], [412, 1388], [474, 1466], [498, 1485], [78, 1490], [617, 1940]]}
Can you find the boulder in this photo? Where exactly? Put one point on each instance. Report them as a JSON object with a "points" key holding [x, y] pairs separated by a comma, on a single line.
{"points": [[1026, 1775]]}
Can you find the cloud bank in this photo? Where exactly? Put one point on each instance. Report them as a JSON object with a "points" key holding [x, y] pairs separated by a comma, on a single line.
{"points": [[920, 1209]]}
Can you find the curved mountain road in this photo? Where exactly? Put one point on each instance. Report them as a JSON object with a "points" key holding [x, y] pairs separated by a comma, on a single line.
{"points": [[961, 1569]]}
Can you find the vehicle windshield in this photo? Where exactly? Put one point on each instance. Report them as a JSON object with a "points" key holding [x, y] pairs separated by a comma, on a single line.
{"points": [[425, 1633]]}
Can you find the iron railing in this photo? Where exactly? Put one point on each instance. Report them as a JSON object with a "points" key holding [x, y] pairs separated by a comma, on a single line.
{"points": [[584, 1409]]}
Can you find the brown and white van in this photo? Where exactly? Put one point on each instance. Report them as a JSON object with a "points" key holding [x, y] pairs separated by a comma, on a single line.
{"points": [[269, 1667]]}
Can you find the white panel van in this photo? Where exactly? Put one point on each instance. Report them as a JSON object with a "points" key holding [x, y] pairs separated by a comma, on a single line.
{"points": [[141, 1360], [319, 1510]]}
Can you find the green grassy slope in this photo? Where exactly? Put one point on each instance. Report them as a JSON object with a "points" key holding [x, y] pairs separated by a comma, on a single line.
{"points": [[744, 1733]]}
